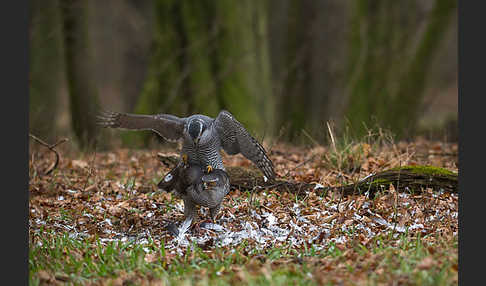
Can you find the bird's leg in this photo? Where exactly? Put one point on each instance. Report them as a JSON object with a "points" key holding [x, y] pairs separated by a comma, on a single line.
{"points": [[209, 169], [214, 211], [184, 159], [189, 214]]}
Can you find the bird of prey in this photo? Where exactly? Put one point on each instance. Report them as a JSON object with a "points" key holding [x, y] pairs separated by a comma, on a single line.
{"points": [[203, 137], [196, 188]]}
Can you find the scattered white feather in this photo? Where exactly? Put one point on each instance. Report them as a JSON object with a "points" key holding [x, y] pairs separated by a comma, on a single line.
{"points": [[318, 186]]}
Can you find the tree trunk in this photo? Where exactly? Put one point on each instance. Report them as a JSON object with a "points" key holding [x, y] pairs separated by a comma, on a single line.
{"points": [[82, 90], [208, 56], [410, 93], [307, 39], [45, 67], [387, 69]]}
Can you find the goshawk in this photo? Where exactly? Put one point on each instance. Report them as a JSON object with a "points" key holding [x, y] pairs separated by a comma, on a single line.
{"points": [[203, 137]]}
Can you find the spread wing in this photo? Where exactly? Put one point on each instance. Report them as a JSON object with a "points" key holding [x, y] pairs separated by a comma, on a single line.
{"points": [[170, 127], [236, 139]]}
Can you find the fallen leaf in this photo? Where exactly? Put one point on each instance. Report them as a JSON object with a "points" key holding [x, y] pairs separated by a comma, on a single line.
{"points": [[151, 257], [426, 263], [79, 164]]}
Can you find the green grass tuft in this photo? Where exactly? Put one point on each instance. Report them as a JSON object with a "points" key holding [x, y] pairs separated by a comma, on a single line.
{"points": [[384, 259]]}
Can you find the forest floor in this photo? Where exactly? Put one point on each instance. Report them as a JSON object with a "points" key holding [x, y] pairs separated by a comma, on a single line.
{"points": [[98, 219]]}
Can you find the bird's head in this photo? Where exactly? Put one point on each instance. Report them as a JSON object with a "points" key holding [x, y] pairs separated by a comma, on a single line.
{"points": [[196, 128]]}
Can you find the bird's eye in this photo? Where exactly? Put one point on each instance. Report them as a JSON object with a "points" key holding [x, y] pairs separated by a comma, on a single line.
{"points": [[168, 178]]}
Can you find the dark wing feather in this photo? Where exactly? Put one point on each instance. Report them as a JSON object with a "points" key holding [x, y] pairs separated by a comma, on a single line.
{"points": [[236, 139], [168, 126]]}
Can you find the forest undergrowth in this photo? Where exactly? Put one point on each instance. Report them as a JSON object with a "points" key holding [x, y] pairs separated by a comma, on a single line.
{"points": [[98, 219]]}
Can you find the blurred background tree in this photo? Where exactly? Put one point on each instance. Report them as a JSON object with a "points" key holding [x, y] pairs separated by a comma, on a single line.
{"points": [[83, 95], [45, 67], [208, 55], [390, 59], [282, 67]]}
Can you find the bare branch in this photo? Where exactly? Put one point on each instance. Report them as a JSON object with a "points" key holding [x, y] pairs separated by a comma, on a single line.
{"points": [[51, 148]]}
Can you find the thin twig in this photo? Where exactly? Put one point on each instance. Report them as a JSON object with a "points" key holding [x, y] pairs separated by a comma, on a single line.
{"points": [[50, 147], [395, 213], [300, 165], [33, 166], [342, 193], [332, 137], [276, 140], [250, 207], [310, 138], [90, 168]]}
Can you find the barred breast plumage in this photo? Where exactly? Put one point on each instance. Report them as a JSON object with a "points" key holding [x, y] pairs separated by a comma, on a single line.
{"points": [[204, 154]]}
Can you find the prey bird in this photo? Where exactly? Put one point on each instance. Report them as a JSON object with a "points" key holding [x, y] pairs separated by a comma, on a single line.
{"points": [[196, 188]]}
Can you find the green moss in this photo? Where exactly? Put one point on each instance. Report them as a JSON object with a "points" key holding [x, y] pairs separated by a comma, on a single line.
{"points": [[381, 182], [429, 170]]}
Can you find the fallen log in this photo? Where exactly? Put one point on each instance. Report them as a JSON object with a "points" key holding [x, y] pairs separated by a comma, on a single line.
{"points": [[404, 179]]}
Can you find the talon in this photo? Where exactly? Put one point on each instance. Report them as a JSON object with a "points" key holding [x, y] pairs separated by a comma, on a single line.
{"points": [[209, 169]]}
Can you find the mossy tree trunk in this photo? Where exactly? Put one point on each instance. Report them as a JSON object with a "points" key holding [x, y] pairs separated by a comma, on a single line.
{"points": [[45, 67], [296, 85], [411, 87], [389, 63], [83, 94], [306, 43], [207, 56]]}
